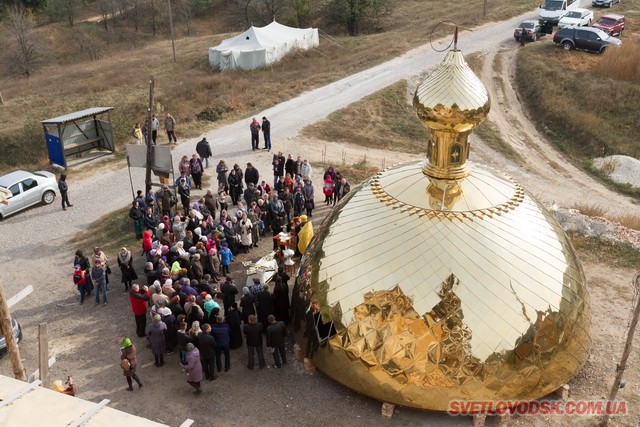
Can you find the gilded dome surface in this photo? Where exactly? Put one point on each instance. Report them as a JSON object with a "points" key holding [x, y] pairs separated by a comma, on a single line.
{"points": [[486, 300], [441, 280]]}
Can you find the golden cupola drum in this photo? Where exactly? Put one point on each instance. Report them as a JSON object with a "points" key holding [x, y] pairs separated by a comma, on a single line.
{"points": [[441, 279]]}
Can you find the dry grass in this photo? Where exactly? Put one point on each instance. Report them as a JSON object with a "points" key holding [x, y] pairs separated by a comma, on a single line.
{"points": [[383, 120], [596, 251], [629, 220], [111, 232], [185, 88], [490, 134], [622, 63]]}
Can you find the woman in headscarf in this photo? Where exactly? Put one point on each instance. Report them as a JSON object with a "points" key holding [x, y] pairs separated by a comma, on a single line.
{"points": [[222, 170], [85, 265], [128, 354], [245, 226], [193, 311], [125, 262], [196, 171], [155, 335], [193, 368], [247, 304], [194, 331], [235, 186], [211, 310]]}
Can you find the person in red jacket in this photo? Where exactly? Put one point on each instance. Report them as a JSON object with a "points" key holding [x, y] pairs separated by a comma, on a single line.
{"points": [[147, 243], [79, 279], [139, 302]]}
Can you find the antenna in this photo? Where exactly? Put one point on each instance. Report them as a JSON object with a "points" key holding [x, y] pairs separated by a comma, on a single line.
{"points": [[455, 39]]}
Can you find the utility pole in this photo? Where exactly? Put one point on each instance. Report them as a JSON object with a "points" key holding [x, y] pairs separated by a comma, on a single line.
{"points": [[147, 181], [173, 42], [43, 353], [484, 8], [19, 372], [627, 348]]}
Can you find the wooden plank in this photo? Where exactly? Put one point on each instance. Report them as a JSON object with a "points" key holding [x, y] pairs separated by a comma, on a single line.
{"points": [[7, 331], [187, 423], [43, 353], [19, 296], [36, 374], [26, 389], [90, 413]]}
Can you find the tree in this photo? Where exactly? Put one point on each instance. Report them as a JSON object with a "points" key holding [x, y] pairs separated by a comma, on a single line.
{"points": [[301, 12], [62, 9], [23, 55], [357, 14]]}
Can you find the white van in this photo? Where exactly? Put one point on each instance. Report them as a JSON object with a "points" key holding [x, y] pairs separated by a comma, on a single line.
{"points": [[552, 10]]}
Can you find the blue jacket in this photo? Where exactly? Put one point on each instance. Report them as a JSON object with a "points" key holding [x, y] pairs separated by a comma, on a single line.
{"points": [[226, 256], [221, 332]]}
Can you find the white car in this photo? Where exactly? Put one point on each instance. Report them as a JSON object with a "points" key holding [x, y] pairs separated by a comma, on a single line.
{"points": [[21, 189], [576, 17]]}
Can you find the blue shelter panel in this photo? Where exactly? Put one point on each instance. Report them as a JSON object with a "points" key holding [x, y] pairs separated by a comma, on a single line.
{"points": [[56, 152]]}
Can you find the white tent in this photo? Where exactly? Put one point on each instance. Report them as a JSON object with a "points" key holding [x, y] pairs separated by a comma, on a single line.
{"points": [[261, 46]]}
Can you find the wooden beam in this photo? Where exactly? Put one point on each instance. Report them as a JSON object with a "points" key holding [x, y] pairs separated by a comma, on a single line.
{"points": [[90, 413], [36, 374], [26, 389], [187, 423], [19, 296], [6, 329], [43, 354]]}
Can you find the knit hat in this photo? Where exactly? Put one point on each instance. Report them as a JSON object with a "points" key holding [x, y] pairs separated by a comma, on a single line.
{"points": [[58, 386], [126, 343]]}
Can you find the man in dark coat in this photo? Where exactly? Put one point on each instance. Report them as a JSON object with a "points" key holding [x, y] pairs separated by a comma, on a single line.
{"points": [[251, 175], [171, 335], [276, 334], [247, 304], [253, 335], [235, 331], [221, 332], [208, 352], [281, 301], [229, 292], [204, 150], [290, 166], [64, 188], [266, 130], [265, 306]]}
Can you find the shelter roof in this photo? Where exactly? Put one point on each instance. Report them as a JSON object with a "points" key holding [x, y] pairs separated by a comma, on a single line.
{"points": [[76, 115]]}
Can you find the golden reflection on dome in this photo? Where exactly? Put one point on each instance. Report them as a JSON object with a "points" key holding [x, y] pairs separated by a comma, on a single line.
{"points": [[443, 280]]}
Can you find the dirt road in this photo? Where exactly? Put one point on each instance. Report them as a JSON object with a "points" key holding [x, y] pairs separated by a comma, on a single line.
{"points": [[85, 339]]}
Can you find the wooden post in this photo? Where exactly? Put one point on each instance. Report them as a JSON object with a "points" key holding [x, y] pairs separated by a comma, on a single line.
{"points": [[627, 348], [147, 181], [173, 42], [1, 99], [43, 354], [19, 372]]}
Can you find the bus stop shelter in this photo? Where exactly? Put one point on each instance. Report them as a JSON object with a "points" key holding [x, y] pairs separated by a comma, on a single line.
{"points": [[78, 132]]}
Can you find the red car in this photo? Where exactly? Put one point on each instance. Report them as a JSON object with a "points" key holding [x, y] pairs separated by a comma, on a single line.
{"points": [[611, 23]]}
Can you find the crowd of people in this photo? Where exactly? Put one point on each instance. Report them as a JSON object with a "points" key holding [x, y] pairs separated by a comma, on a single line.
{"points": [[185, 299]]}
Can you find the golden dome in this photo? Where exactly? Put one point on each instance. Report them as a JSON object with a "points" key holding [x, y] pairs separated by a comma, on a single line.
{"points": [[452, 98], [435, 281]]}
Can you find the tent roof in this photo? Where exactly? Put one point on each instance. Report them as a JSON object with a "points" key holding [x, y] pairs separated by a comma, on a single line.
{"points": [[256, 38], [76, 115]]}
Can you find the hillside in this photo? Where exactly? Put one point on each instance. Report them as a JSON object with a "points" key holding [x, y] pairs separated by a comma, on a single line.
{"points": [[88, 66]]}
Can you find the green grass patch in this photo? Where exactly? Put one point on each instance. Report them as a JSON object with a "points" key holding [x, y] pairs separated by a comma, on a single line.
{"points": [[600, 252], [111, 232], [384, 120]]}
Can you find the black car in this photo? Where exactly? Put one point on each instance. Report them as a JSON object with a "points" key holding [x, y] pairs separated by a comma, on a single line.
{"points": [[585, 38]]}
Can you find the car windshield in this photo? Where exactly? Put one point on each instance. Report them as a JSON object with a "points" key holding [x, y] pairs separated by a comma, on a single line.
{"points": [[607, 22], [552, 4], [573, 14], [526, 25]]}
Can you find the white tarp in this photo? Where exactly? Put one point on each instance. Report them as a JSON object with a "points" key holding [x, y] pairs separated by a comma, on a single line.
{"points": [[261, 46]]}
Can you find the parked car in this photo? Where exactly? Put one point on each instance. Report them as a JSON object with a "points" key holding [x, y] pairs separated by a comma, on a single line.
{"points": [[611, 24], [27, 189], [577, 17], [17, 334], [585, 38], [532, 30], [604, 3]]}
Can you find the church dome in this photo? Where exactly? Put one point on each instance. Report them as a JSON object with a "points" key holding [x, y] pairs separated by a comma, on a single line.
{"points": [[441, 280]]}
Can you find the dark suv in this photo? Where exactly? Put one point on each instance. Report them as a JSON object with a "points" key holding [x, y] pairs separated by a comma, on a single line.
{"points": [[585, 38]]}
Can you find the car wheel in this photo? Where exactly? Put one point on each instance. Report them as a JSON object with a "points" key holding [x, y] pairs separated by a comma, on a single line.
{"points": [[48, 197], [602, 49], [567, 46], [534, 38]]}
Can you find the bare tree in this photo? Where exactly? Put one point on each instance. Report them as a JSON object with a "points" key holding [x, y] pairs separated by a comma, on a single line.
{"points": [[243, 9], [301, 12], [62, 9], [271, 9], [356, 14], [23, 55]]}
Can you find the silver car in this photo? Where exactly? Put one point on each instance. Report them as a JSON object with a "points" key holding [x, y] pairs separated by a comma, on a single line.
{"points": [[17, 334], [24, 189]]}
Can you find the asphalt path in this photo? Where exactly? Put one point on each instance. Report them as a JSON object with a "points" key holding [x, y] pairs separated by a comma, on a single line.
{"points": [[44, 230]]}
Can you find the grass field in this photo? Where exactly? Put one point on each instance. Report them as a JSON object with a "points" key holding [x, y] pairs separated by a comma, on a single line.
{"points": [[188, 87]]}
